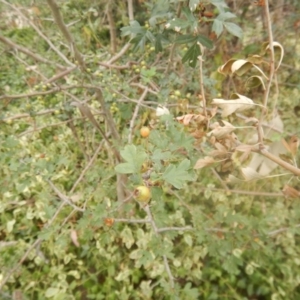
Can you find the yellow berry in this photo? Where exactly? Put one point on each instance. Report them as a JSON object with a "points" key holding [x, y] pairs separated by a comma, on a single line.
{"points": [[142, 194], [145, 131]]}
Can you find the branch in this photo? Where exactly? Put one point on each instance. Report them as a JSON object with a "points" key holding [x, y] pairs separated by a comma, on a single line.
{"points": [[60, 75], [120, 54], [59, 53], [15, 268], [24, 50], [279, 161], [112, 28], [8, 244], [26, 115], [130, 10], [87, 167], [64, 198], [200, 58], [274, 232], [63, 28]]}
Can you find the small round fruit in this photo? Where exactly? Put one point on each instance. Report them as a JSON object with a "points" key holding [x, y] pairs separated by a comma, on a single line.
{"points": [[145, 131], [142, 194]]}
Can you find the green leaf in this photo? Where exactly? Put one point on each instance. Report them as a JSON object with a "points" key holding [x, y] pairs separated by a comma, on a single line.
{"points": [[225, 16], [139, 41], [134, 158], [150, 37], [159, 155], [185, 39], [134, 28], [219, 4], [234, 29], [193, 4], [125, 168], [203, 40], [188, 14], [192, 55], [158, 43], [178, 24], [178, 175], [217, 27], [51, 292]]}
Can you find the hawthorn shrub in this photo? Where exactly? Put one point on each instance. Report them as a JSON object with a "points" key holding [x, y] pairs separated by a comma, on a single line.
{"points": [[149, 150]]}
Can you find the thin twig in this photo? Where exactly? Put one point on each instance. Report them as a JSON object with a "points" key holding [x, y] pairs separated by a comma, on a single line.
{"points": [[200, 58], [135, 115], [271, 73], [60, 75], [156, 231], [64, 198], [112, 27], [119, 55], [34, 245], [87, 167], [39, 32], [20, 262], [141, 86], [108, 117], [29, 53], [163, 229], [220, 179], [173, 47], [277, 231], [4, 244], [11, 97], [138, 221], [26, 115]]}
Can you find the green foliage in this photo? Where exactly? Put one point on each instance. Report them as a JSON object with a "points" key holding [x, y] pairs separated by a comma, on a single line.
{"points": [[71, 154]]}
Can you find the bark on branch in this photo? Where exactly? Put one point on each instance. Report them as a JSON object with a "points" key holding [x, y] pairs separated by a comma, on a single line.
{"points": [[63, 28]]}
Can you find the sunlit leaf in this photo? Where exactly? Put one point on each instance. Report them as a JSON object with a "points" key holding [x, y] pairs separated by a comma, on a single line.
{"points": [[178, 175], [134, 158], [217, 27], [241, 66], [231, 106], [234, 29], [250, 174]]}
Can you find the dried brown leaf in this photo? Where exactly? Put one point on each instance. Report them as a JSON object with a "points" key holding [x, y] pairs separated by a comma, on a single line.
{"points": [[74, 238], [221, 131], [292, 145], [290, 192], [204, 162]]}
